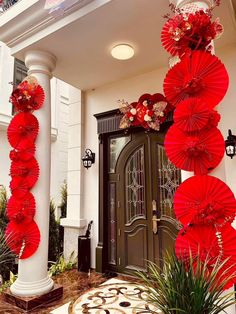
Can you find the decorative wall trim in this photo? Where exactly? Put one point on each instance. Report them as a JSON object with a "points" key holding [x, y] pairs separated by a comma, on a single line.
{"points": [[109, 121]]}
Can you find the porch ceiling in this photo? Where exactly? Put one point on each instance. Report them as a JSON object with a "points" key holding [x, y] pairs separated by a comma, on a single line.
{"points": [[82, 46]]}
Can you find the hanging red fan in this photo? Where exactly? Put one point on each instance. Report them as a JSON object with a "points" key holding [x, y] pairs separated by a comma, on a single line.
{"points": [[23, 239], [23, 130], [192, 115], [198, 75], [19, 187], [21, 210], [209, 245], [204, 200], [29, 171], [200, 152], [28, 95], [22, 155]]}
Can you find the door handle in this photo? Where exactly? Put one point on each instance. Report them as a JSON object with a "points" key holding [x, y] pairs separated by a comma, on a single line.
{"points": [[155, 220]]}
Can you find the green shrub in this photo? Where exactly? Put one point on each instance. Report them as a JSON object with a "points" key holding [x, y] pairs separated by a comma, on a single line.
{"points": [[7, 259], [62, 265], [63, 204], [54, 241], [186, 288]]}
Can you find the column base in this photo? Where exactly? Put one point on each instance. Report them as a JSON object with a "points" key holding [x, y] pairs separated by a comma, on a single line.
{"points": [[28, 289], [30, 303]]}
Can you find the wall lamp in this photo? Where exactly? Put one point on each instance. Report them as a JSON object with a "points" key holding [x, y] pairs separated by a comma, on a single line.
{"points": [[230, 145], [88, 159]]}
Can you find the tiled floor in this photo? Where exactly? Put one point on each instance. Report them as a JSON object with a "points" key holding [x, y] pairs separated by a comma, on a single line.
{"points": [[113, 297]]}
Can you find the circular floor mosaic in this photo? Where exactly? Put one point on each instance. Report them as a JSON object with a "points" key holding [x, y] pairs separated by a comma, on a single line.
{"points": [[114, 297]]}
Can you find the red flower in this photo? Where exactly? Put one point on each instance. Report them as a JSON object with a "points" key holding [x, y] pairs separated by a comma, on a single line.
{"points": [[28, 96]]}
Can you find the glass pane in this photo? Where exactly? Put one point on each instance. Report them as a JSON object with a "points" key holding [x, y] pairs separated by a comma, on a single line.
{"points": [[169, 179], [112, 224], [116, 146], [134, 172]]}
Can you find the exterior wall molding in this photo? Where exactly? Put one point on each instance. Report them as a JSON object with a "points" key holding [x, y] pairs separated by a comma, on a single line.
{"points": [[73, 223], [25, 15]]}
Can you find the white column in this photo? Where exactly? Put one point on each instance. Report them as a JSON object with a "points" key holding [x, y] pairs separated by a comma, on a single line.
{"points": [[32, 272], [74, 223]]}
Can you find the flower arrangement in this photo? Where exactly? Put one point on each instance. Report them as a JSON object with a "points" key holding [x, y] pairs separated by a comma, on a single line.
{"points": [[190, 31], [150, 111]]}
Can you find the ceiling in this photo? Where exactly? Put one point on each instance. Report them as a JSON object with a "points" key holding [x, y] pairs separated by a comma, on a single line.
{"points": [[83, 47]]}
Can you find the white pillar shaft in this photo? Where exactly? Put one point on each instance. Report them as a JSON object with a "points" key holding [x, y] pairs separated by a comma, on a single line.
{"points": [[32, 272]]}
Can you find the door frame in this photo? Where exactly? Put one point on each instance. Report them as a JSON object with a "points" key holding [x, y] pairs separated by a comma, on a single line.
{"points": [[107, 125]]}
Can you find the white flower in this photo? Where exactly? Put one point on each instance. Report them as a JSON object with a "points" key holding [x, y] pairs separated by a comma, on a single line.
{"points": [[147, 118], [133, 111], [131, 119], [161, 114]]}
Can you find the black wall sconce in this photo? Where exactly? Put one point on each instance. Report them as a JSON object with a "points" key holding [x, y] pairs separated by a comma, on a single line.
{"points": [[230, 145], [89, 158]]}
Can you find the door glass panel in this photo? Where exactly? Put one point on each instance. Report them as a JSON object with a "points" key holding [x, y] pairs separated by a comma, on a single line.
{"points": [[116, 146], [134, 186], [112, 224], [169, 178]]}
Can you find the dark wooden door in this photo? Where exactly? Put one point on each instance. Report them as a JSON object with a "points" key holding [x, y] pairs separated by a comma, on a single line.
{"points": [[142, 181]]}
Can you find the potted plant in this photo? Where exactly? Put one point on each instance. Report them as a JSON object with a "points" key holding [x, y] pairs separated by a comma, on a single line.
{"points": [[186, 287]]}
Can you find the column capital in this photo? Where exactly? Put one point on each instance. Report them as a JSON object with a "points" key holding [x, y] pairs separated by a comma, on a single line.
{"points": [[200, 3], [38, 61]]}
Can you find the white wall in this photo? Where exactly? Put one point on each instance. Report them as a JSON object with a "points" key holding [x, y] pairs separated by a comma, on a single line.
{"points": [[60, 112]]}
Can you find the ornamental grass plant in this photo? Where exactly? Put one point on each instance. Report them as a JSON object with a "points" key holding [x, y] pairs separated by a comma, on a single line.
{"points": [[181, 287]]}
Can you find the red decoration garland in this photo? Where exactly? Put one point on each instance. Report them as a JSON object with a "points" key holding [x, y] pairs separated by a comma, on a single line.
{"points": [[22, 233], [195, 85]]}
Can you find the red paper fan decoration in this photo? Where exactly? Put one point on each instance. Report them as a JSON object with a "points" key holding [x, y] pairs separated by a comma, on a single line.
{"points": [[23, 130], [191, 115], [23, 239], [198, 75], [206, 243], [19, 187], [200, 153], [29, 171], [22, 155], [21, 210], [28, 95], [204, 200]]}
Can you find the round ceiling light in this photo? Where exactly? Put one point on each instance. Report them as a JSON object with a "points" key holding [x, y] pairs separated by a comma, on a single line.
{"points": [[122, 52]]}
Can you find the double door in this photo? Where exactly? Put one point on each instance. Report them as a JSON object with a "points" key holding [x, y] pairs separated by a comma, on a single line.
{"points": [[141, 185]]}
